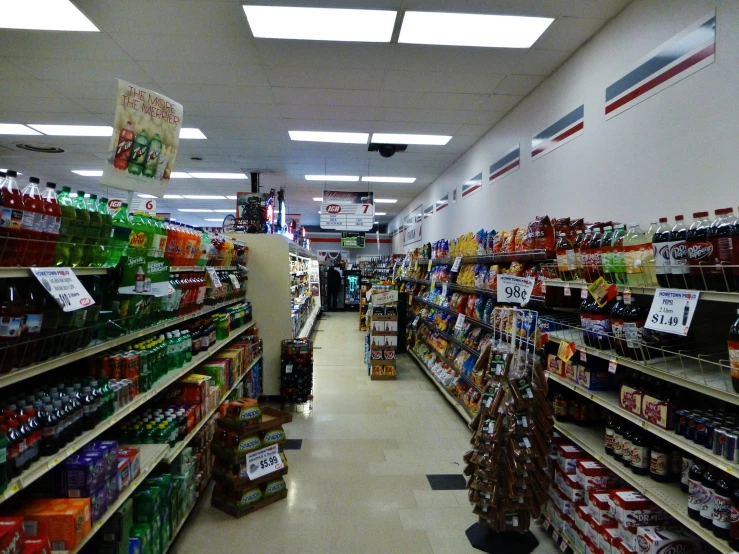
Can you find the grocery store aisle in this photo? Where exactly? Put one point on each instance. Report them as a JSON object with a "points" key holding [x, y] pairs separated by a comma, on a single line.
{"points": [[358, 484]]}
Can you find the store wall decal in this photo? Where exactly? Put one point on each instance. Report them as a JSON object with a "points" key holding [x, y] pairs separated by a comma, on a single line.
{"points": [[428, 212], [472, 186], [684, 54], [146, 135], [442, 203], [559, 133], [506, 165], [412, 227]]}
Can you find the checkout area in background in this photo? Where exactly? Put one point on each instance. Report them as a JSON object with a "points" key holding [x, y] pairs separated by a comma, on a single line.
{"points": [[344, 288]]}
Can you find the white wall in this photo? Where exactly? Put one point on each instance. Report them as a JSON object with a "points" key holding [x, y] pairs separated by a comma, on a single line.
{"points": [[332, 242], [675, 152]]}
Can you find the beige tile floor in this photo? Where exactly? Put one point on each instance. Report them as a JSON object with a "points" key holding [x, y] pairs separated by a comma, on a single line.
{"points": [[359, 482]]}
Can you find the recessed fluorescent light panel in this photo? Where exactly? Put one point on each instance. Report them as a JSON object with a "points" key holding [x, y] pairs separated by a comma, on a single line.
{"points": [[43, 15], [73, 130], [380, 213], [472, 29], [211, 219], [389, 179], [316, 199], [231, 197], [16, 128], [179, 175], [88, 172], [329, 136], [385, 200], [191, 133], [172, 197], [225, 211], [203, 197], [321, 23], [219, 175], [146, 195], [194, 210], [392, 138], [343, 178]]}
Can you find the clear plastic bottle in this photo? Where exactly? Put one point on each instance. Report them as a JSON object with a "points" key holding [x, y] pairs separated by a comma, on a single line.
{"points": [[34, 221], [618, 261], [639, 258]]}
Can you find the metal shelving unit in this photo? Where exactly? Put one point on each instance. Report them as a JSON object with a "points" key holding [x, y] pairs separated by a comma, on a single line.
{"points": [[609, 400], [667, 496], [43, 367], [445, 393], [20, 272], [46, 463]]}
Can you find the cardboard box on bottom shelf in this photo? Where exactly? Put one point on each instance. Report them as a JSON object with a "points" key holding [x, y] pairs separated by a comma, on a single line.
{"points": [[66, 521]]}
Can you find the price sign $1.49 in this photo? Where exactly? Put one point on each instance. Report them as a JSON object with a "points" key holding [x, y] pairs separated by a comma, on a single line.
{"points": [[672, 311], [514, 290]]}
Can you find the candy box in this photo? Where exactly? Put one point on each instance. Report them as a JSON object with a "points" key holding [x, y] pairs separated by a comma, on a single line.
{"points": [[569, 371], [65, 521], [554, 365], [657, 539], [12, 535], [82, 473], [134, 459], [37, 545], [632, 509], [594, 475], [568, 455], [111, 489], [109, 450]]}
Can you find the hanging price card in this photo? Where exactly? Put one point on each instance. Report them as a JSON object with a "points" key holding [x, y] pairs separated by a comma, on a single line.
{"points": [[62, 284], [583, 356], [566, 350], [672, 311], [460, 322], [214, 279], [456, 264], [612, 365], [264, 461], [514, 290], [234, 281], [568, 291]]}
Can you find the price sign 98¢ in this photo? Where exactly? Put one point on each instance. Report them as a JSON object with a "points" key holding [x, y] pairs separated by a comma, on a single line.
{"points": [[514, 290]]}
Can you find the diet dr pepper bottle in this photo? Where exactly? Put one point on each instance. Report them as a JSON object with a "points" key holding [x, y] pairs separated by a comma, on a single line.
{"points": [[125, 145]]}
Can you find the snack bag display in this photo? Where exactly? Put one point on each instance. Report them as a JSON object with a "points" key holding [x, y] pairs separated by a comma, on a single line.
{"points": [[509, 243], [518, 241], [498, 241]]}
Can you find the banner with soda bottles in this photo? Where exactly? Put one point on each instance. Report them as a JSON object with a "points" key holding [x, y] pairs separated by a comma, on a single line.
{"points": [[146, 134]]}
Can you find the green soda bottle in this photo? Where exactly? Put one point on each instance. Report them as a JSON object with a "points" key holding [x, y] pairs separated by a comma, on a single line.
{"points": [[152, 156], [141, 235], [106, 228], [120, 235], [96, 251], [160, 241], [138, 153], [70, 229], [83, 227]]}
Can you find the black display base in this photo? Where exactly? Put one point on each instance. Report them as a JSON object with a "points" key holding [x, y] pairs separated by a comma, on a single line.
{"points": [[487, 540]]}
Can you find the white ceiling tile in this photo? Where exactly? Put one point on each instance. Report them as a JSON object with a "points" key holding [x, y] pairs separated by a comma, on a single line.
{"points": [[58, 118], [423, 115], [217, 93], [313, 77], [568, 33], [416, 57], [518, 84], [603, 9], [28, 88], [206, 73], [8, 68], [550, 8], [246, 124], [501, 101], [437, 81], [329, 113], [347, 55], [82, 70], [541, 62], [488, 118], [100, 90], [223, 109], [324, 97], [473, 130], [60, 45], [192, 49]]}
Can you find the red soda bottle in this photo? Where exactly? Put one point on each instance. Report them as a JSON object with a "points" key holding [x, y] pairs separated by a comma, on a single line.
{"points": [[12, 315], [11, 223], [53, 213], [699, 250], [33, 222], [125, 144]]}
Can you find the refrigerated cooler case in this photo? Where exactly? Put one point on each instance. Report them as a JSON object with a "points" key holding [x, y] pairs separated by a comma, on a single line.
{"points": [[352, 289]]}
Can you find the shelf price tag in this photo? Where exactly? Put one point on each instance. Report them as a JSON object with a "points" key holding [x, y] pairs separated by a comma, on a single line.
{"points": [[460, 322], [64, 286], [514, 290], [443, 290], [583, 355], [612, 365], [672, 311], [234, 281], [456, 264], [555, 536], [546, 525], [568, 290], [262, 462], [563, 547], [583, 293]]}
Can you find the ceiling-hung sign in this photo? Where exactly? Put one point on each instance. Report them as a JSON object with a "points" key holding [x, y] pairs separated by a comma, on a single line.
{"points": [[347, 211], [472, 186], [146, 135], [559, 133], [506, 165], [684, 54]]}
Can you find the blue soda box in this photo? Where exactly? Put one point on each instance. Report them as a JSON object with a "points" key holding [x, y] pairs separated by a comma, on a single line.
{"points": [[98, 503], [82, 474], [109, 449]]}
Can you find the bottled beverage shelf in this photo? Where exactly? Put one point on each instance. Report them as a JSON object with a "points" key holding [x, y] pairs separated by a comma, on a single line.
{"points": [[710, 295], [609, 400], [175, 450], [20, 272], [445, 393], [201, 268], [42, 367], [151, 455], [47, 463], [667, 496], [693, 371]]}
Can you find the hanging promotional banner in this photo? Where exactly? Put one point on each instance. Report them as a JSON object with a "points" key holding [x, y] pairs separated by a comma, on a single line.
{"points": [[146, 135], [347, 211], [144, 275], [413, 226], [351, 239]]}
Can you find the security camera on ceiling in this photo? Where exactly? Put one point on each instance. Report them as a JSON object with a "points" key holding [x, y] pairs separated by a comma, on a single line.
{"points": [[386, 150]]}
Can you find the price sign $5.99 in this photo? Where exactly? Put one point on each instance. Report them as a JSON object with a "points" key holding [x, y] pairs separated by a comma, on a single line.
{"points": [[263, 462], [514, 290]]}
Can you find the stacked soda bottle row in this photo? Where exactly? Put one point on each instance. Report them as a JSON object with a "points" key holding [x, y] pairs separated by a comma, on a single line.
{"points": [[45, 420], [702, 256], [165, 425]]}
